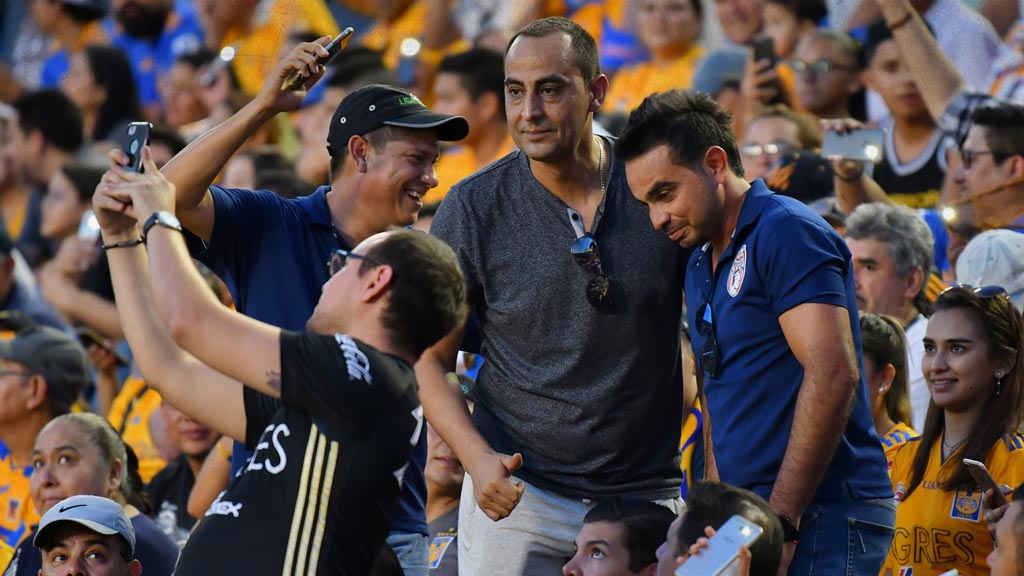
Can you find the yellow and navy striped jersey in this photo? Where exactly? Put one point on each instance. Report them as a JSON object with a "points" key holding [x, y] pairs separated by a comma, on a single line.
{"points": [[129, 414], [938, 530], [691, 443], [894, 439], [19, 514]]}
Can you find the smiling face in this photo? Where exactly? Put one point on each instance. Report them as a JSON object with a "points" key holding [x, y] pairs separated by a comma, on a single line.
{"points": [[600, 551], [547, 101], [65, 463], [398, 174], [959, 363], [683, 203]]}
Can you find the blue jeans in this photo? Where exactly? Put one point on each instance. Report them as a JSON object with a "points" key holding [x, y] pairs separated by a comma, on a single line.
{"points": [[849, 537], [413, 552]]}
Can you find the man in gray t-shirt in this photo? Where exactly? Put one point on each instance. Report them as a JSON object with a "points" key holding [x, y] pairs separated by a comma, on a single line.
{"points": [[580, 394]]}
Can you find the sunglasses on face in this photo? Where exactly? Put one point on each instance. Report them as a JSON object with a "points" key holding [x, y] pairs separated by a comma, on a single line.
{"points": [[969, 156], [339, 257], [773, 149], [818, 67], [599, 287]]}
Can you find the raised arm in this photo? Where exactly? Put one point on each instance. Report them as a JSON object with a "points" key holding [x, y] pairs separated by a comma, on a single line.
{"points": [[193, 169], [445, 409], [933, 73], [192, 387], [230, 343]]}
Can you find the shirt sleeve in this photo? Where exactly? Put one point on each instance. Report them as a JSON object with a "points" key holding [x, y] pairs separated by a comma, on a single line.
{"points": [[804, 265], [333, 379], [456, 225], [260, 410], [240, 219]]}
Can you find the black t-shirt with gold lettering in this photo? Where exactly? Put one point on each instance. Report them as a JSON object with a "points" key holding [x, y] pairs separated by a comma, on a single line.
{"points": [[318, 494]]}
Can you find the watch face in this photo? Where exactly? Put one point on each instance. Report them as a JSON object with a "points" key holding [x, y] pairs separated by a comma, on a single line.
{"points": [[168, 219]]}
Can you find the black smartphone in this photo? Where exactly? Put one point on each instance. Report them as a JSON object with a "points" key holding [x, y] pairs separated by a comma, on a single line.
{"points": [[88, 336], [764, 49], [136, 138], [295, 80]]}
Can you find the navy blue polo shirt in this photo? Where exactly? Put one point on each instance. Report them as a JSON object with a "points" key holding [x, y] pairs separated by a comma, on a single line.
{"points": [[781, 255], [273, 255]]}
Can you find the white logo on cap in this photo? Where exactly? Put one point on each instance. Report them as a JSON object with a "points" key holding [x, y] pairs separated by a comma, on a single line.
{"points": [[343, 120], [372, 107]]}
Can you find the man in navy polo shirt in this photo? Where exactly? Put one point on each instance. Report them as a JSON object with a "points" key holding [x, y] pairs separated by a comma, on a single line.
{"points": [[773, 311], [273, 252]]}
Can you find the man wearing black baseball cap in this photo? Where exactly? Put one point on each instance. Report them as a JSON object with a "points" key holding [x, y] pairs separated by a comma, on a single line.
{"points": [[42, 372], [87, 535], [383, 145]]}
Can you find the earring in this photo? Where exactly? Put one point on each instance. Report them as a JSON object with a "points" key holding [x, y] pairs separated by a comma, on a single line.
{"points": [[999, 385]]}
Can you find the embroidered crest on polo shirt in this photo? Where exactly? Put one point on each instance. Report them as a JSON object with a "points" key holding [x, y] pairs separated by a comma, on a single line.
{"points": [[966, 505], [737, 272]]}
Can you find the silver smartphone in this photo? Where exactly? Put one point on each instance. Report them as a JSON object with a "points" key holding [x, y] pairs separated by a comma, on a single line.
{"points": [[721, 557], [862, 145], [981, 475]]}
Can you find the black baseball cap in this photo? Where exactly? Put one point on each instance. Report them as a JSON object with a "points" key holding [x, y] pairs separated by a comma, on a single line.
{"points": [[376, 105], [54, 355]]}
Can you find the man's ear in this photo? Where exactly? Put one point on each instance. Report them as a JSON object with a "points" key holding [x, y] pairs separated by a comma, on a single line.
{"points": [[358, 150], [36, 391], [914, 281], [376, 282], [134, 568], [598, 92], [716, 163]]}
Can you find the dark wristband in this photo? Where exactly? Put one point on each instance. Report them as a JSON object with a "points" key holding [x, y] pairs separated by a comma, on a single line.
{"points": [[122, 244]]}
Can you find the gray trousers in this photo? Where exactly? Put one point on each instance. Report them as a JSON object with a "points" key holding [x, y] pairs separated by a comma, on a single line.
{"points": [[537, 538]]}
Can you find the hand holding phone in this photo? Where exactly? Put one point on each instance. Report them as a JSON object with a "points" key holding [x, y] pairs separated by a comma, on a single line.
{"points": [[294, 80], [980, 474], [723, 549], [88, 336], [136, 138]]}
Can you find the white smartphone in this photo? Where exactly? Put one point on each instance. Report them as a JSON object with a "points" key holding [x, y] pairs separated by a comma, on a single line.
{"points": [[981, 475], [863, 145], [722, 554]]}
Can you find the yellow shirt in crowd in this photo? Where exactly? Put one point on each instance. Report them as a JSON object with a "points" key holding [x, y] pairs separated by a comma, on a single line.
{"points": [[937, 530], [456, 163], [894, 439], [693, 433], [129, 414], [258, 49], [632, 84], [18, 514]]}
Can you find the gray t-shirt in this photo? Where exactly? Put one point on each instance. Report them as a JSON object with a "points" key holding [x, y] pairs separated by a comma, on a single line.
{"points": [[591, 398]]}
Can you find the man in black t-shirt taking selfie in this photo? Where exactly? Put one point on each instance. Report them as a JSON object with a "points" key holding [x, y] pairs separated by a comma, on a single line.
{"points": [[339, 411]]}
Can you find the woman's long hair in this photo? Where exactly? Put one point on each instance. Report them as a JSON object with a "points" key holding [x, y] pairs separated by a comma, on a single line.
{"points": [[1002, 412]]}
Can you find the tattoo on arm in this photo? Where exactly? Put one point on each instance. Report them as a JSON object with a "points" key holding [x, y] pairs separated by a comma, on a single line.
{"points": [[274, 380]]}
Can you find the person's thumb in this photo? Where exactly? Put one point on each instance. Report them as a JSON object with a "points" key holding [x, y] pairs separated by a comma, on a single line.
{"points": [[512, 463]]}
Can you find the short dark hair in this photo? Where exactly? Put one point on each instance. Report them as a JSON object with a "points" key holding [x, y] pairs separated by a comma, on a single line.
{"points": [[689, 122], [112, 71], [83, 14], [480, 70], [428, 290], [581, 42], [84, 179], [804, 10], [378, 138], [643, 523], [713, 503], [1004, 126], [54, 115]]}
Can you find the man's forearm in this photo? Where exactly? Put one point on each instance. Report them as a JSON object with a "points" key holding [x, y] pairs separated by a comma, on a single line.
{"points": [[861, 190], [813, 440], [194, 169]]}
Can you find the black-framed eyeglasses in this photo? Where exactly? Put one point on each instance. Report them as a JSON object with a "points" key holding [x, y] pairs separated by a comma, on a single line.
{"points": [[709, 352], [773, 149], [818, 66], [599, 287], [991, 291], [339, 257], [969, 156]]}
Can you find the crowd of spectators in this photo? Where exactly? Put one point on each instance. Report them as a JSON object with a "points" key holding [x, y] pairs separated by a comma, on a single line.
{"points": [[770, 328]]}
